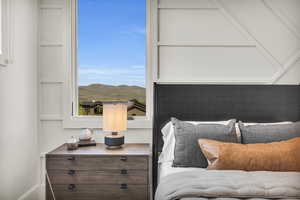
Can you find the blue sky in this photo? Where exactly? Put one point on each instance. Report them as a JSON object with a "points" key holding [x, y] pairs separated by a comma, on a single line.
{"points": [[112, 42]]}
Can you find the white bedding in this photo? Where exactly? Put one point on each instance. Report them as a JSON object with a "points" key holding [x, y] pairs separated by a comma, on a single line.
{"points": [[165, 169], [202, 184]]}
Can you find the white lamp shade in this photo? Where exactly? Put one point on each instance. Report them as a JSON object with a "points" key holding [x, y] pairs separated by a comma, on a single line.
{"points": [[115, 117]]}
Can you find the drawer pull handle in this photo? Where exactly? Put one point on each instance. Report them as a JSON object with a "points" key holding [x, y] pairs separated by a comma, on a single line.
{"points": [[124, 186], [71, 158], [124, 171], [123, 158], [71, 172], [72, 187]]}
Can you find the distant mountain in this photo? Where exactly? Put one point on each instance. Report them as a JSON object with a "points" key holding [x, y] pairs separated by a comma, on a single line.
{"points": [[101, 92]]}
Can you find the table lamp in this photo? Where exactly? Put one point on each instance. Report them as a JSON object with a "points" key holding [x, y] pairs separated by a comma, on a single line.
{"points": [[115, 121]]}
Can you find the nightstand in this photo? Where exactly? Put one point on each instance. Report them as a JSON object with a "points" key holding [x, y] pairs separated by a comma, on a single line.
{"points": [[94, 173]]}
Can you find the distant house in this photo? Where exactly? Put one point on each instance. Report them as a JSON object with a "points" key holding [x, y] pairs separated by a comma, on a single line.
{"points": [[91, 108], [135, 108]]}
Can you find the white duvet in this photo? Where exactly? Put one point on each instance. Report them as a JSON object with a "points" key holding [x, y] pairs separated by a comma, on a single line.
{"points": [[198, 184]]}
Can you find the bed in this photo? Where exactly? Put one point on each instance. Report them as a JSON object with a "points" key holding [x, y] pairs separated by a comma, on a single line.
{"points": [[249, 103], [216, 182]]}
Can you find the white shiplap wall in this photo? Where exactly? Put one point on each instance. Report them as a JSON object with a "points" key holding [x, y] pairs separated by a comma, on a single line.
{"points": [[228, 41], [205, 41]]}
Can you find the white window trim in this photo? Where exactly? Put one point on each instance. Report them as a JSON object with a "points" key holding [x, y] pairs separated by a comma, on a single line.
{"points": [[6, 33], [70, 83]]}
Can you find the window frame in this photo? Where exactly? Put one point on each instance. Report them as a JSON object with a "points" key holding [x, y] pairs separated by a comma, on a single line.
{"points": [[6, 35], [70, 90]]}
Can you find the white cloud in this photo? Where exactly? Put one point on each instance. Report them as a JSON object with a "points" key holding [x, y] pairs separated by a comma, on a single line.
{"points": [[138, 67], [133, 75], [134, 69], [135, 30], [91, 71], [139, 30]]}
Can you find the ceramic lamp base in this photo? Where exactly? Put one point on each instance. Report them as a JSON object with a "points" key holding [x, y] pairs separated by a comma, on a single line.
{"points": [[114, 141]]}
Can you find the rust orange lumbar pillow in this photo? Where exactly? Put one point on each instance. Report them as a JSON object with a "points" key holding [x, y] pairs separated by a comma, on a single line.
{"points": [[276, 156]]}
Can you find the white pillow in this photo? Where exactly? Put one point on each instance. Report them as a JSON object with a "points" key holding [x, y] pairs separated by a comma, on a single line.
{"points": [[167, 154]]}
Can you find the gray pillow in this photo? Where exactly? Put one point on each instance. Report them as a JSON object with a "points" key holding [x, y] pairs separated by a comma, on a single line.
{"points": [[187, 152], [252, 134]]}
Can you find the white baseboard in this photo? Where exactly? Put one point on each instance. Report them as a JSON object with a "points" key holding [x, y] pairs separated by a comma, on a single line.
{"points": [[32, 194]]}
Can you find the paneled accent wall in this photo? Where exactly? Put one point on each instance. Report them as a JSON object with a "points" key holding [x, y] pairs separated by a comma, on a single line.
{"points": [[52, 67], [228, 41], [205, 41]]}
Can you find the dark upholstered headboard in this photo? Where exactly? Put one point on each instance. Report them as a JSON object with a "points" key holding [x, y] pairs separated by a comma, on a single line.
{"points": [[249, 103]]}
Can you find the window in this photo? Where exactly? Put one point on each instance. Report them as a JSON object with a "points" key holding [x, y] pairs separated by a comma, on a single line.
{"points": [[108, 46], [111, 64]]}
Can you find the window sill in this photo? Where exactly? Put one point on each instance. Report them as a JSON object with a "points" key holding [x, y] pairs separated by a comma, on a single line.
{"points": [[96, 122]]}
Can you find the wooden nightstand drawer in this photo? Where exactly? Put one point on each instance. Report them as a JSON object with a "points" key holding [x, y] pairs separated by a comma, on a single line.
{"points": [[96, 173], [100, 192], [134, 192], [76, 162], [99, 177]]}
